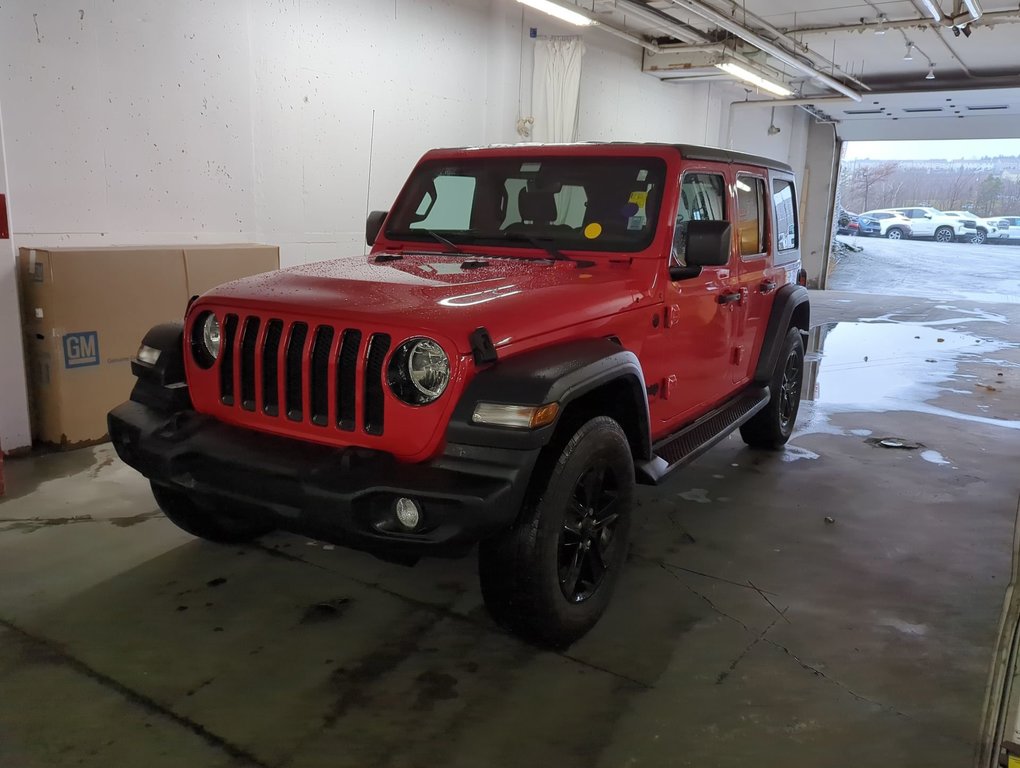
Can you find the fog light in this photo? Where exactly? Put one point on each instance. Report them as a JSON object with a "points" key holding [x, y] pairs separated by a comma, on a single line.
{"points": [[407, 512]]}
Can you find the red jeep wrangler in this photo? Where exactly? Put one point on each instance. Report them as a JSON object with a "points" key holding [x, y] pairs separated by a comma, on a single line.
{"points": [[536, 329]]}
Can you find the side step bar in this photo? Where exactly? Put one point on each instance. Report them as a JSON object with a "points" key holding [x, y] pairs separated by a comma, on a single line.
{"points": [[693, 440]]}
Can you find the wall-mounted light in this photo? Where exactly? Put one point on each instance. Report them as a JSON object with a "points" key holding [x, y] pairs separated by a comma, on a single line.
{"points": [[749, 76], [561, 13], [909, 55]]}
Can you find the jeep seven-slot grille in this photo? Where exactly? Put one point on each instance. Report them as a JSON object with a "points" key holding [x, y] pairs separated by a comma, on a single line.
{"points": [[304, 373]]}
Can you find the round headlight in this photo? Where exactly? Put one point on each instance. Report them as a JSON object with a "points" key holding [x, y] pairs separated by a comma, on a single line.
{"points": [[211, 336], [419, 371]]}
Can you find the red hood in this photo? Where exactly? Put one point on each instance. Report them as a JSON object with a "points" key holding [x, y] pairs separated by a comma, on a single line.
{"points": [[514, 299]]}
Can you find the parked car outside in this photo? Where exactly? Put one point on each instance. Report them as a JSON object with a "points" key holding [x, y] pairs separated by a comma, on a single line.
{"points": [[933, 223], [888, 224], [1009, 229], [847, 223], [986, 229]]}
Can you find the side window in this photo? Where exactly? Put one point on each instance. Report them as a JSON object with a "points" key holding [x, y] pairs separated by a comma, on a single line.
{"points": [[702, 198], [785, 204], [751, 215], [447, 206]]}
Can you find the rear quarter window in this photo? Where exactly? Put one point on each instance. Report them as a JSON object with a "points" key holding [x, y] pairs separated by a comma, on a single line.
{"points": [[787, 223]]}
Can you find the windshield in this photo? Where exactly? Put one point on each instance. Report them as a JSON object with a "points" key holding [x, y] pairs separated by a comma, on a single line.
{"points": [[579, 203]]}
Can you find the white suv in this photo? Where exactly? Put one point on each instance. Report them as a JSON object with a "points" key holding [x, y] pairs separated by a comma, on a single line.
{"points": [[931, 222], [890, 224], [985, 229]]}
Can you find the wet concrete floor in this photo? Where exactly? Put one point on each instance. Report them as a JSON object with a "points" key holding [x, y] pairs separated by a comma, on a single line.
{"points": [[835, 604]]}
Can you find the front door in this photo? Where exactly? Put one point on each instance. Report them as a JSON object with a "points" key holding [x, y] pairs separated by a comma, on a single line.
{"points": [[693, 349]]}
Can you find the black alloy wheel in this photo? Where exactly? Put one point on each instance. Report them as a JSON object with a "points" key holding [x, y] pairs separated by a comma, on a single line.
{"points": [[587, 539]]}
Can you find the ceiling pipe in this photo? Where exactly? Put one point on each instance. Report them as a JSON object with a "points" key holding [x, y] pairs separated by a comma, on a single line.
{"points": [[662, 22], [794, 102], [624, 35], [710, 14], [817, 58], [987, 20]]}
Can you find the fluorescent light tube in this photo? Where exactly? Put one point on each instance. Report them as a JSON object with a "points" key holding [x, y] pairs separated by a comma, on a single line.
{"points": [[933, 9], [561, 13], [748, 76], [973, 7]]}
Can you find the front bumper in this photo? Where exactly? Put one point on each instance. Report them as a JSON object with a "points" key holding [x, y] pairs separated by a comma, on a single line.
{"points": [[344, 496]]}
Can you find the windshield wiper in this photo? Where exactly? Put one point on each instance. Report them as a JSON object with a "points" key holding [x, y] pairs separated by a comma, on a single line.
{"points": [[440, 239], [546, 244]]}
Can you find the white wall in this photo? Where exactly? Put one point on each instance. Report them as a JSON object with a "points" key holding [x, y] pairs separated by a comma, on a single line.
{"points": [[14, 424], [239, 120]]}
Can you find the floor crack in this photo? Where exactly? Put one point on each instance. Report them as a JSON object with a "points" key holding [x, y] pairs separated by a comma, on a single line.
{"points": [[713, 606], [60, 655]]}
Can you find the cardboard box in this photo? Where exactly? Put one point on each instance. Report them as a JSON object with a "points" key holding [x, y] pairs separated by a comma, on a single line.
{"points": [[85, 311]]}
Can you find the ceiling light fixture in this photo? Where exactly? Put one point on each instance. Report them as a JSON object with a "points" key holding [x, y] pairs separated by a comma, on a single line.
{"points": [[561, 13], [909, 55], [931, 72], [880, 28], [973, 7], [742, 73], [933, 9]]}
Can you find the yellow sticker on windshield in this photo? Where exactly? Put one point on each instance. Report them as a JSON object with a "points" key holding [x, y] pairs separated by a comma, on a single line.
{"points": [[593, 230], [639, 198]]}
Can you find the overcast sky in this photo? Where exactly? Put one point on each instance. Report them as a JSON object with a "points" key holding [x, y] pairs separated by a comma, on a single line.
{"points": [[932, 150]]}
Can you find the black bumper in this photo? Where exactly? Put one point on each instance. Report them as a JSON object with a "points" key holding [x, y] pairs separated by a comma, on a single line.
{"points": [[344, 496]]}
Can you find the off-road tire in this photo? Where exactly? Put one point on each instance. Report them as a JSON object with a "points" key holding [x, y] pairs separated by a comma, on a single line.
{"points": [[201, 517], [895, 233], [525, 572], [945, 235], [772, 426]]}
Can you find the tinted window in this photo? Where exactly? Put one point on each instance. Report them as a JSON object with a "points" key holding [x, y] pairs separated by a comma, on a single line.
{"points": [[751, 215], [582, 203], [702, 198], [786, 214]]}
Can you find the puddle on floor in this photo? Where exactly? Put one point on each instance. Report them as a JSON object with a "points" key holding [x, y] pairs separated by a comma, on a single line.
{"points": [[882, 365]]}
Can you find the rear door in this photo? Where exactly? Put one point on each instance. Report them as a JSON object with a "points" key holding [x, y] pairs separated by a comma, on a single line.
{"points": [[756, 231], [921, 223]]}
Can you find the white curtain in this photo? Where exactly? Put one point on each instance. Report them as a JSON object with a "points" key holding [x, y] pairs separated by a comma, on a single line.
{"points": [[556, 88]]}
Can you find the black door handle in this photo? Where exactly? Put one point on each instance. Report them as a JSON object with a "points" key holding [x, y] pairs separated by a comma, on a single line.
{"points": [[729, 298], [768, 287]]}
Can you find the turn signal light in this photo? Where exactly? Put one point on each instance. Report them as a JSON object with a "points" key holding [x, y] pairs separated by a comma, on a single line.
{"points": [[520, 416]]}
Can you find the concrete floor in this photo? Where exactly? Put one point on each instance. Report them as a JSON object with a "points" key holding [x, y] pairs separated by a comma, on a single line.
{"points": [[747, 629]]}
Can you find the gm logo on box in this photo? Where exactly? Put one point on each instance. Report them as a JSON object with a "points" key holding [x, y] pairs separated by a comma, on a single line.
{"points": [[81, 349]]}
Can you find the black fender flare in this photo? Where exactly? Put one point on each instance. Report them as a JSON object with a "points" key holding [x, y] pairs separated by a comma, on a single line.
{"points": [[163, 384], [560, 373], [790, 299]]}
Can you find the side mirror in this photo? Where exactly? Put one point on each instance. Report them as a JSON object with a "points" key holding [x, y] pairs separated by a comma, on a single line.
{"points": [[373, 225], [708, 243]]}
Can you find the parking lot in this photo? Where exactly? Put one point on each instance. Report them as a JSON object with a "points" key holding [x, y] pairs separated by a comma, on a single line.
{"points": [[926, 268]]}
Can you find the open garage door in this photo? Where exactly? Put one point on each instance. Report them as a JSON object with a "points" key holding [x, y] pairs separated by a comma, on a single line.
{"points": [[929, 218]]}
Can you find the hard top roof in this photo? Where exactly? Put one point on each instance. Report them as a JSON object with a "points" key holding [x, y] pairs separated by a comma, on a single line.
{"points": [[688, 151]]}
